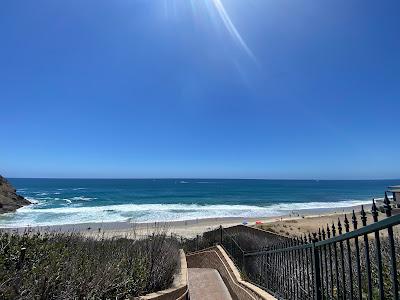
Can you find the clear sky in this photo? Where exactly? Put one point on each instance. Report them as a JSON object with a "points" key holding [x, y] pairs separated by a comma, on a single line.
{"points": [[200, 88]]}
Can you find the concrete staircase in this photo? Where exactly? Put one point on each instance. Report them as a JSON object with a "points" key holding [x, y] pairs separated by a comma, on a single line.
{"points": [[207, 283]]}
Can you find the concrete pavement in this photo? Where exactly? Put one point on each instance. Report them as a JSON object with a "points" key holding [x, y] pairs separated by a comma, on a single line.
{"points": [[207, 284]]}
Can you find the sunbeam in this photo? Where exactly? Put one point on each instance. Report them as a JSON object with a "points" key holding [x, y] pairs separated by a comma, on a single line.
{"points": [[232, 28], [216, 13]]}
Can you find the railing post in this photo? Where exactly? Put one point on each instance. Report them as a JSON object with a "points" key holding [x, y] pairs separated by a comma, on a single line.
{"points": [[243, 260], [395, 287], [374, 212], [220, 234], [317, 271]]}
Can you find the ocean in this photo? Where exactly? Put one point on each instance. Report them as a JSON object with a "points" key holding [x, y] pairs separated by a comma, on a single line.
{"points": [[72, 201]]}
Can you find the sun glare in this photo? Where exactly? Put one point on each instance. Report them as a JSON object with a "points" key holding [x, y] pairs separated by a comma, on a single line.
{"points": [[231, 28], [216, 13]]}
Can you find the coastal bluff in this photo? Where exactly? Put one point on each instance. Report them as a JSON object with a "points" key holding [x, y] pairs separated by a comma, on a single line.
{"points": [[9, 200]]}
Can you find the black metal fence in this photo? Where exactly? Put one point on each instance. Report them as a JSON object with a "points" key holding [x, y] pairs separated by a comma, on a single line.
{"points": [[339, 261], [333, 263]]}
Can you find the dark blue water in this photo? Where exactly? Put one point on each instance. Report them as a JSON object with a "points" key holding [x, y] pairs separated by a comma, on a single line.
{"points": [[66, 201]]}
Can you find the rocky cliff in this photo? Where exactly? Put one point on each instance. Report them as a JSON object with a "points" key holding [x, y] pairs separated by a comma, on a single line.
{"points": [[9, 200]]}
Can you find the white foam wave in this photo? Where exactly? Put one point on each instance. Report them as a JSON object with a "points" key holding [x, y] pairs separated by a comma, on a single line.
{"points": [[41, 194], [73, 214], [318, 205], [32, 200], [83, 198]]}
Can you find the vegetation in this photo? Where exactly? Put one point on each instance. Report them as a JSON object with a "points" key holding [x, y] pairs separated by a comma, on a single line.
{"points": [[71, 266]]}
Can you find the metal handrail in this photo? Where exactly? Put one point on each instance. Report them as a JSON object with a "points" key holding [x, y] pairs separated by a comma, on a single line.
{"points": [[185, 295], [236, 243], [292, 248]]}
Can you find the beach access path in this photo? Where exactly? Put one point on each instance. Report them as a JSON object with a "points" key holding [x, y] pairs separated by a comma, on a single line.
{"points": [[207, 284]]}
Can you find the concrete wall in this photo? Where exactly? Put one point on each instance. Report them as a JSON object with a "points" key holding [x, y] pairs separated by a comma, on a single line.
{"points": [[216, 258]]}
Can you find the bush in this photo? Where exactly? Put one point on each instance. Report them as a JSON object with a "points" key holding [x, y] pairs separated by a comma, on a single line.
{"points": [[71, 266]]}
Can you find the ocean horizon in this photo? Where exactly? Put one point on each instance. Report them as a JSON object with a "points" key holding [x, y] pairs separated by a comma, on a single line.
{"points": [[74, 201]]}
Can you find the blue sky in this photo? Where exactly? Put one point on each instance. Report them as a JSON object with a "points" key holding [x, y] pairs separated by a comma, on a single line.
{"points": [[200, 88]]}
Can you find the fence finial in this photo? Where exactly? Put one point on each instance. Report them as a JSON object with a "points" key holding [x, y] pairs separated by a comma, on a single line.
{"points": [[319, 234], [314, 237], [346, 223], [374, 211], [363, 216], [333, 229], [386, 206], [339, 226], [328, 231], [354, 220]]}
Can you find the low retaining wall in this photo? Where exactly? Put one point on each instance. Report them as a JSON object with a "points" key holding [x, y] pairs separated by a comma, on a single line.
{"points": [[259, 238], [216, 258], [258, 232], [179, 288]]}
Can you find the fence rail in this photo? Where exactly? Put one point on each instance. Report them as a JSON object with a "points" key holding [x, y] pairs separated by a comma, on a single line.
{"points": [[331, 263]]}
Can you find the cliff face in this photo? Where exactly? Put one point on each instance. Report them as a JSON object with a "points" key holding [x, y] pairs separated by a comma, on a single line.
{"points": [[9, 200]]}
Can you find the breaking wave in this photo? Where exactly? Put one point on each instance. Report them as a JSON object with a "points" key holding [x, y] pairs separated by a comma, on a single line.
{"points": [[37, 215]]}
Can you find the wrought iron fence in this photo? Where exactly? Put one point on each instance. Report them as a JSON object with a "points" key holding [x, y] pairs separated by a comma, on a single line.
{"points": [[331, 263], [334, 262]]}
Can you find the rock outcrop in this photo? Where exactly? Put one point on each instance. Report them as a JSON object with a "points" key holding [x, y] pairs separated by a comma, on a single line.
{"points": [[9, 200]]}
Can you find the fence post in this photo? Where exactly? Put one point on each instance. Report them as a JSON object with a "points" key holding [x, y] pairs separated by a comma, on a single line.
{"points": [[220, 235], [21, 258], [243, 267], [317, 271], [395, 287]]}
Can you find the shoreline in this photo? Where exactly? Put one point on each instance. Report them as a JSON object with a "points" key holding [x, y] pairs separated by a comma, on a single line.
{"points": [[184, 228]]}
